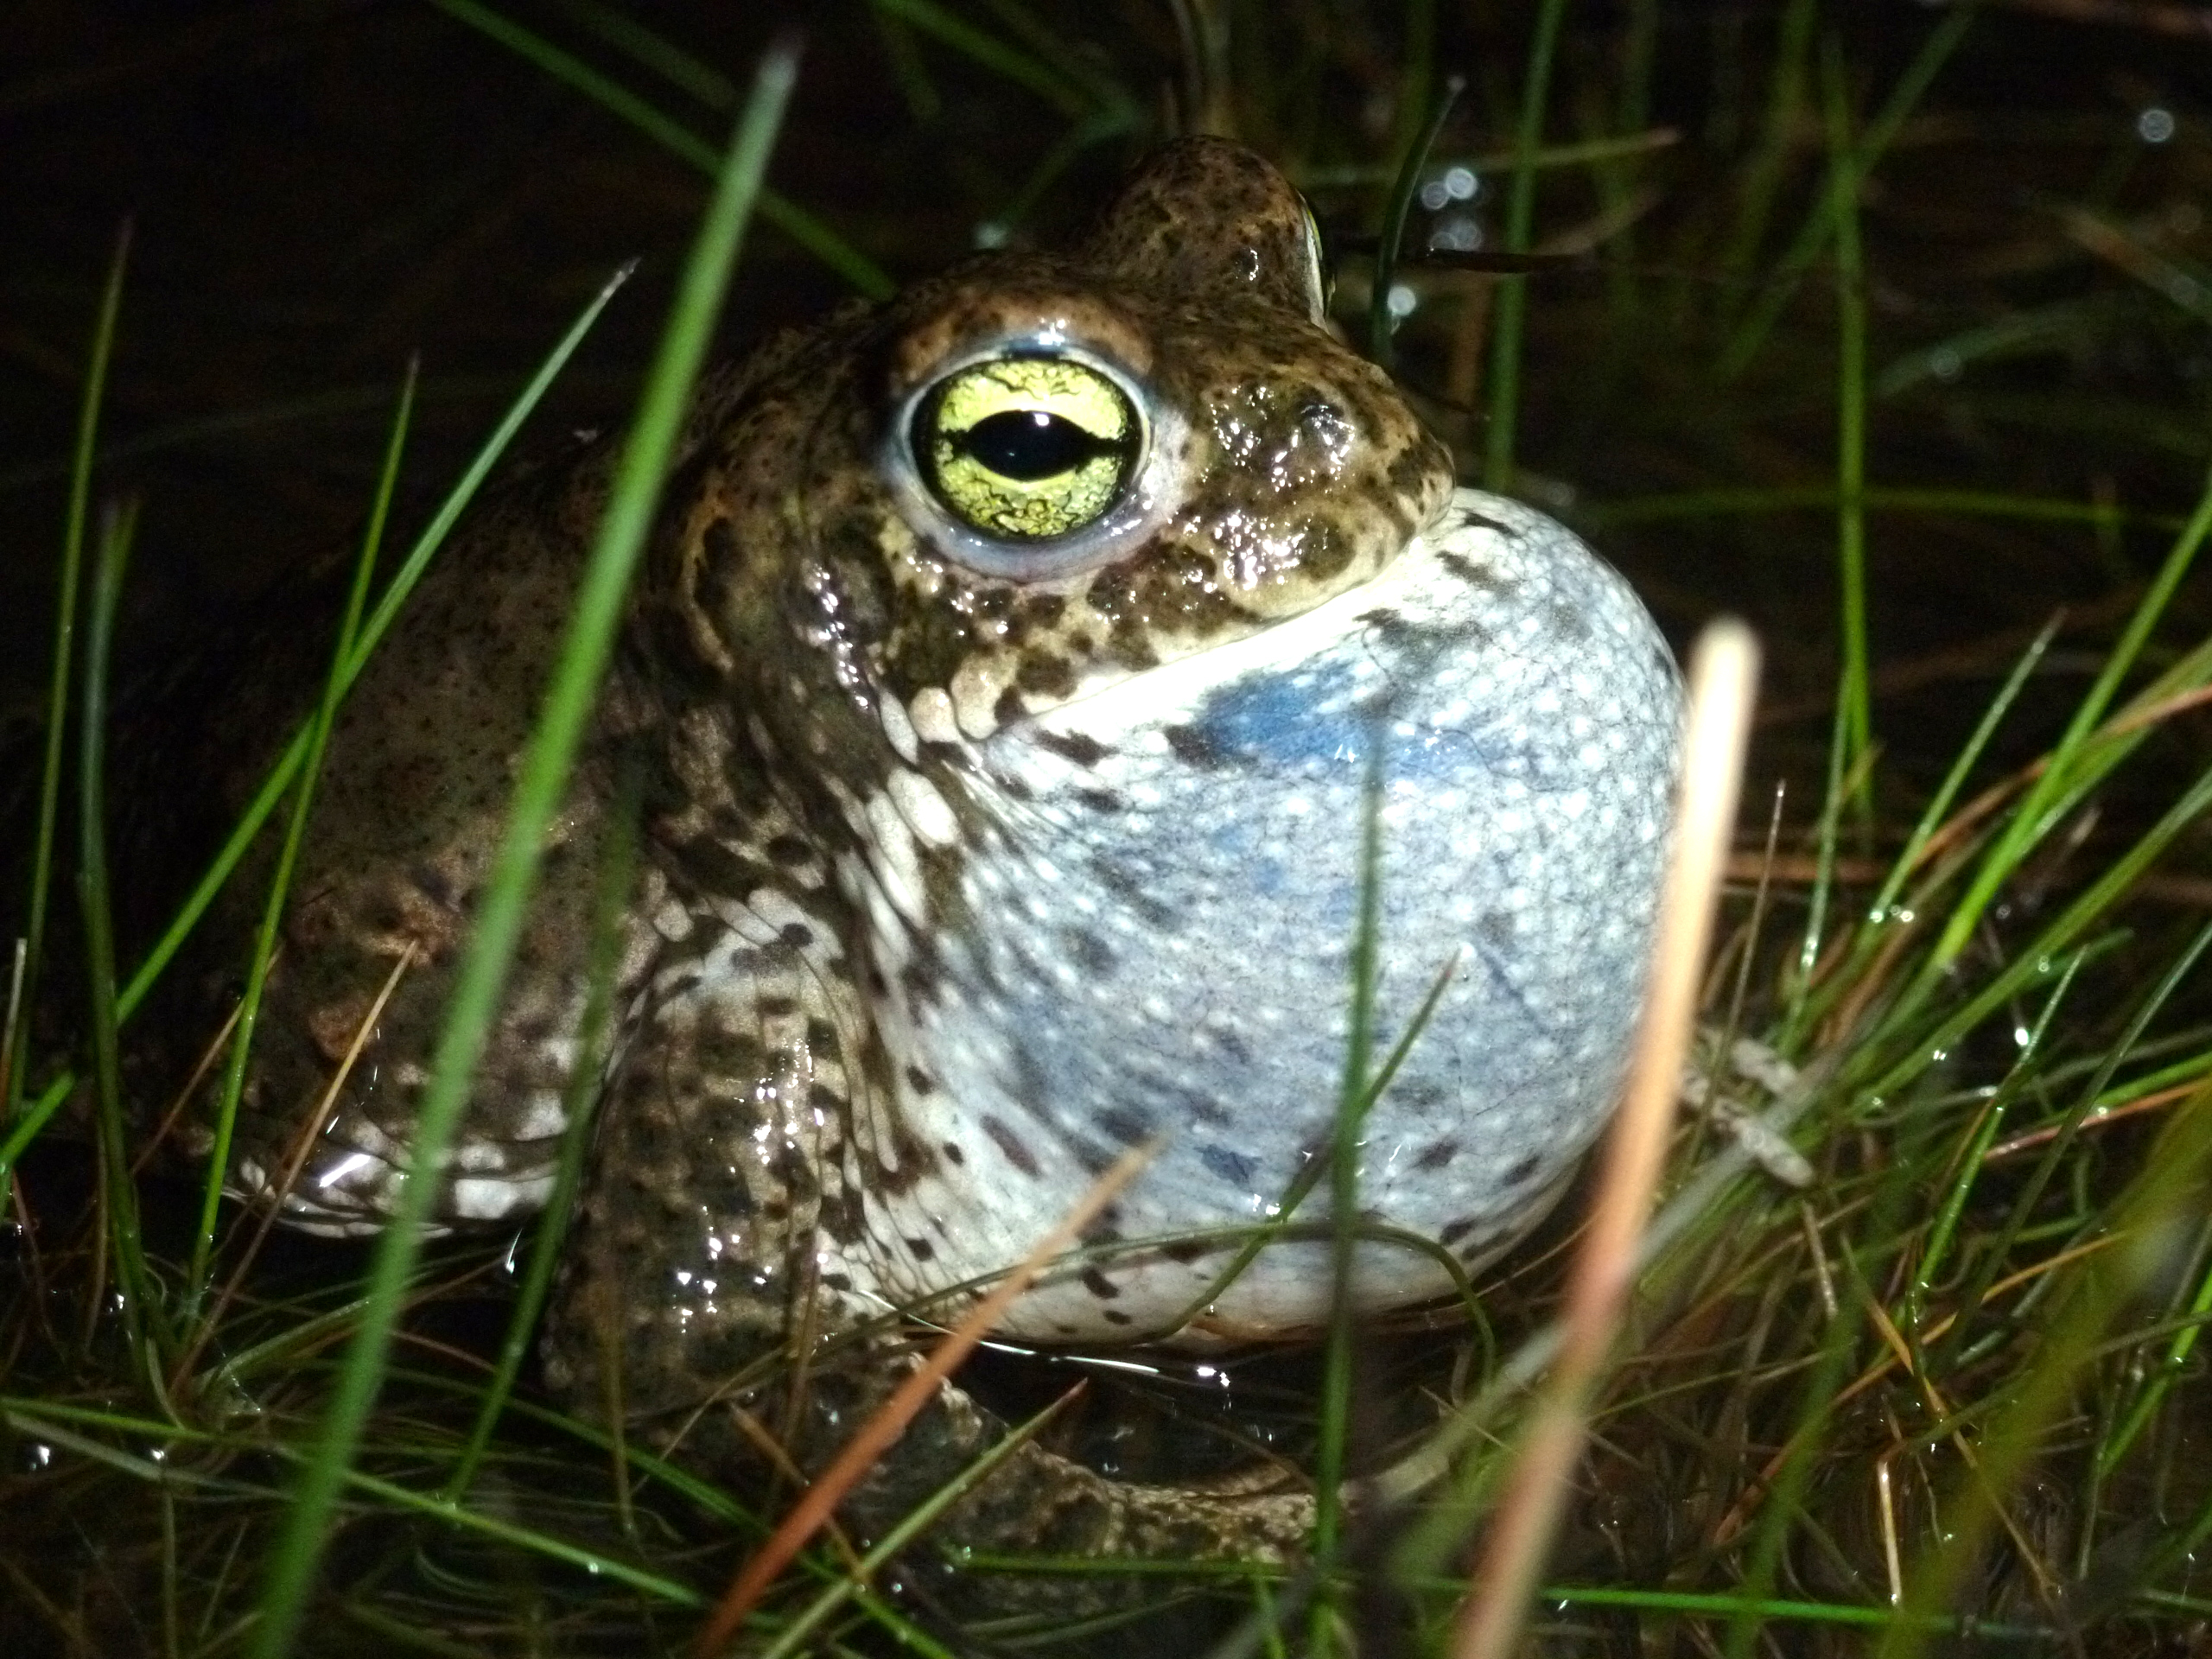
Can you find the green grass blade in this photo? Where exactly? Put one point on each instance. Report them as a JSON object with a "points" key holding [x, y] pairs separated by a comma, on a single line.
{"points": [[1813, 234], [281, 774], [15, 1056], [119, 1194], [1510, 318], [1394, 223], [1769, 159], [545, 767], [1996, 1249], [1853, 695], [2162, 1379], [2087, 908], [2098, 1286], [656, 52], [1353, 1097], [990, 53], [863, 274], [1939, 805], [2032, 820], [280, 883], [1280, 1222], [619, 868], [1934, 1253]]}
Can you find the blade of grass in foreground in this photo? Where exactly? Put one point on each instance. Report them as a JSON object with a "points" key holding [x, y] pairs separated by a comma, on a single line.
{"points": [[545, 769], [287, 764], [617, 869], [280, 883], [1353, 1098], [119, 1196], [15, 1046]]}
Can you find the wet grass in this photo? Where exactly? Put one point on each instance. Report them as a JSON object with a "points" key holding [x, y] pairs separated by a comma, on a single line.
{"points": [[1812, 365]]}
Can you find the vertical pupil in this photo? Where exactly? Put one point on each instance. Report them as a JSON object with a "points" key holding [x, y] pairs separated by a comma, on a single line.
{"points": [[1030, 443]]}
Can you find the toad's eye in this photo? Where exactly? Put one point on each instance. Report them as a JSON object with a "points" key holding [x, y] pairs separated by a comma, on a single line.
{"points": [[1025, 448]]}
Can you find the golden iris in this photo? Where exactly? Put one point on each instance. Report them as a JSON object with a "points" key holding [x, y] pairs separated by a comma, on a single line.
{"points": [[1026, 447]]}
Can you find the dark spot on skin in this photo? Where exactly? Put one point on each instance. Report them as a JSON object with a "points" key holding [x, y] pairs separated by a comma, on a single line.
{"points": [[1093, 1159], [1110, 595], [1389, 626], [1088, 951], [922, 1248], [1326, 553], [953, 1154], [1042, 672], [877, 984], [1015, 1148], [844, 1218], [1125, 1123], [1132, 647], [1099, 1285], [1009, 708], [1664, 660], [1438, 1155], [1523, 1170], [1114, 1316], [1477, 576], [1131, 892], [1409, 469], [1194, 748], [1570, 620], [1189, 1250], [1031, 1087], [1099, 800], [1456, 1231], [1421, 1093], [715, 868], [1192, 1104], [1231, 1166], [775, 1008], [1233, 1045], [796, 935], [431, 883], [1496, 927], [918, 980], [920, 1081], [788, 850], [1074, 746], [837, 1280]]}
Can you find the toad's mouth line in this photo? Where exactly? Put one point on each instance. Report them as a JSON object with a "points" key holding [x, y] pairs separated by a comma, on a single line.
{"points": [[1415, 572]]}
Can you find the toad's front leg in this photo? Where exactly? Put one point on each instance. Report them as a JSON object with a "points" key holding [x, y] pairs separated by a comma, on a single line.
{"points": [[722, 1283]]}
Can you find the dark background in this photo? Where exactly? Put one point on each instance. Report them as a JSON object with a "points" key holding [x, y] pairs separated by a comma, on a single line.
{"points": [[319, 189]]}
